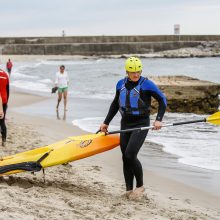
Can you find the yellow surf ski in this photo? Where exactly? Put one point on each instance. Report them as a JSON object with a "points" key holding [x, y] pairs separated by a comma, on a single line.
{"points": [[70, 149]]}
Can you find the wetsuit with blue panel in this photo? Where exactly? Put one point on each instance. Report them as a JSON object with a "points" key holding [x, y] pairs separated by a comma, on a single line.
{"points": [[133, 100]]}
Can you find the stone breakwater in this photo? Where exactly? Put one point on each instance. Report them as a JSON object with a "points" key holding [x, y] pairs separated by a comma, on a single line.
{"points": [[203, 49], [188, 95], [146, 46]]}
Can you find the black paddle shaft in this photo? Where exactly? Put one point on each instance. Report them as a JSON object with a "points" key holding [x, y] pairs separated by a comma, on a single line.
{"points": [[146, 128], [189, 122], [123, 131]]}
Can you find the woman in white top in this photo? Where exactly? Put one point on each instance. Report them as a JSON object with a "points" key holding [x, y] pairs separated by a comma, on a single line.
{"points": [[62, 82]]}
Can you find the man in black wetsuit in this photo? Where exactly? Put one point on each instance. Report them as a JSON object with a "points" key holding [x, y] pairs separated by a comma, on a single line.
{"points": [[133, 100]]}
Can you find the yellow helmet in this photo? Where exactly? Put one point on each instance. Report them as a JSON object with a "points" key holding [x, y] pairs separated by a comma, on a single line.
{"points": [[133, 64]]}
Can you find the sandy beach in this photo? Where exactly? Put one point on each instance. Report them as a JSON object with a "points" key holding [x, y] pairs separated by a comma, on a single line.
{"points": [[146, 73], [91, 188]]}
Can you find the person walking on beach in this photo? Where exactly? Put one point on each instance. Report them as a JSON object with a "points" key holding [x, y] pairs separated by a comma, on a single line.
{"points": [[9, 66], [4, 93], [62, 82], [133, 100]]}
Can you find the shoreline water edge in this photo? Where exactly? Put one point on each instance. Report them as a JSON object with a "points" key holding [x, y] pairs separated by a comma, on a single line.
{"points": [[98, 179]]}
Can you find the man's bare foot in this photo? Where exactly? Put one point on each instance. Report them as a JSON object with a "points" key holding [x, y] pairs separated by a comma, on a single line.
{"points": [[3, 143], [137, 193], [127, 194]]}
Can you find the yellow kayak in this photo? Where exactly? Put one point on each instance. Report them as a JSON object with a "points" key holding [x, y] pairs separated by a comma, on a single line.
{"points": [[70, 149]]}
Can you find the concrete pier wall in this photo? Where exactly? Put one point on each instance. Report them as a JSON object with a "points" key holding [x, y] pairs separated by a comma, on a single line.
{"points": [[88, 49], [100, 45], [106, 39]]}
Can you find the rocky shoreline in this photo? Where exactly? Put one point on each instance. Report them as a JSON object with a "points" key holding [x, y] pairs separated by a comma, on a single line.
{"points": [[188, 95], [203, 49]]}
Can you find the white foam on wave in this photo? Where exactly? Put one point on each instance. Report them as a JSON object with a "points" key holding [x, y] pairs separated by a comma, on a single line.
{"points": [[65, 62], [18, 75], [195, 152], [31, 86], [47, 81], [91, 96], [202, 162], [92, 93], [191, 144], [91, 124], [23, 66], [88, 124]]}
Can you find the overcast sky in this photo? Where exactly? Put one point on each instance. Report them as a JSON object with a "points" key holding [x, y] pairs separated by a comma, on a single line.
{"points": [[112, 17]]}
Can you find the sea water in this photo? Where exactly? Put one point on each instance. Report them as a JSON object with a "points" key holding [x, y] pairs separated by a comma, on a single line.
{"points": [[92, 87]]}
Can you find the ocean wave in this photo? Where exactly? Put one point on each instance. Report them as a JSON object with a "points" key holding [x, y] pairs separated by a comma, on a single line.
{"points": [[92, 96], [92, 93], [92, 124], [66, 62], [47, 81], [196, 152], [202, 162], [18, 75], [31, 86]]}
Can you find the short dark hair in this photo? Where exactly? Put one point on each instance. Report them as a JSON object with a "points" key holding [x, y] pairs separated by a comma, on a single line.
{"points": [[62, 66]]}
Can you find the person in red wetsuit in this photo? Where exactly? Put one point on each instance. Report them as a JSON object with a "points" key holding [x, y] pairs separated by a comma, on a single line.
{"points": [[4, 93], [9, 66], [1, 108]]}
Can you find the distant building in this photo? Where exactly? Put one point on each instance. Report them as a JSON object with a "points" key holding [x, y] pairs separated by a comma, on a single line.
{"points": [[63, 33], [176, 29]]}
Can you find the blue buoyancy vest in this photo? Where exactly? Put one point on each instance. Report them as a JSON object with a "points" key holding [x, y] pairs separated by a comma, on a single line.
{"points": [[130, 102]]}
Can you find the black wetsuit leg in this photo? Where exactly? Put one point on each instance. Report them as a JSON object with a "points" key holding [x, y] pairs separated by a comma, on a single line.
{"points": [[3, 125], [127, 168], [131, 143]]}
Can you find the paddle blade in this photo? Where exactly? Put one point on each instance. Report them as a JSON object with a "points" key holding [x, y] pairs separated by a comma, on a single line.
{"points": [[87, 137], [214, 119]]}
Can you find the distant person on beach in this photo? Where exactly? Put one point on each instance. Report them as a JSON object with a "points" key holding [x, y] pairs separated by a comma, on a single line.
{"points": [[9, 66], [62, 82], [133, 100], [4, 93]]}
